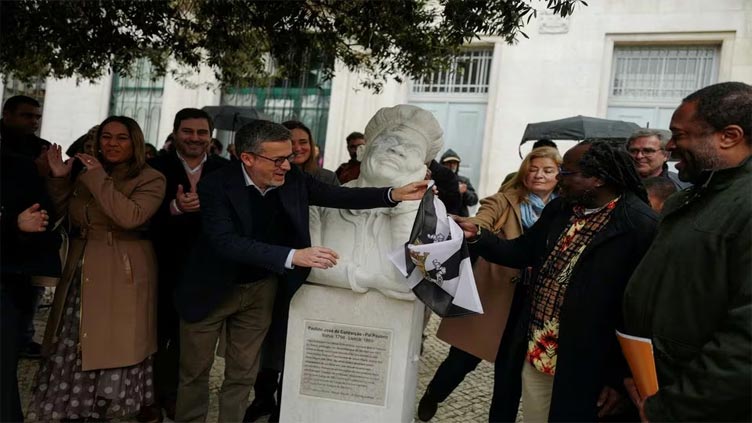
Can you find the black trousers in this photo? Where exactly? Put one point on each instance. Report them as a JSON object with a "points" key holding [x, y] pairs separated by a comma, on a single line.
{"points": [[29, 298], [167, 358], [450, 374], [10, 401], [268, 382]]}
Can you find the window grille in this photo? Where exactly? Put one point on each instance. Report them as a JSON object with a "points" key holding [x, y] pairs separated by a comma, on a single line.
{"points": [[34, 89], [662, 72], [139, 96], [468, 73], [303, 96]]}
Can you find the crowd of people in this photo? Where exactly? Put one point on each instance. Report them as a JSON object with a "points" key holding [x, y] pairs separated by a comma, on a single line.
{"points": [[170, 253]]}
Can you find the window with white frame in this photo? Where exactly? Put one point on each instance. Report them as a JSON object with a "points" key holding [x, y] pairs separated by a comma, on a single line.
{"points": [[649, 81], [468, 73], [35, 88], [660, 72], [139, 96]]}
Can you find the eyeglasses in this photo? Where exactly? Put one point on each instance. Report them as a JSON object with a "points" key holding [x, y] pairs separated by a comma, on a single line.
{"points": [[278, 162], [645, 151], [563, 173]]}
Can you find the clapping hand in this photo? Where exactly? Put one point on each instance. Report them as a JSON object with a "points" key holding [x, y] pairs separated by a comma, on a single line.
{"points": [[187, 202], [89, 161], [33, 219], [58, 168]]}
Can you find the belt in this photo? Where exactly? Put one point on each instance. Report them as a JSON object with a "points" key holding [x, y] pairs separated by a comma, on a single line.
{"points": [[106, 235]]}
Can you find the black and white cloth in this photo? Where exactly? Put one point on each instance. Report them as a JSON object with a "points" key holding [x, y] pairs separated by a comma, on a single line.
{"points": [[436, 262]]}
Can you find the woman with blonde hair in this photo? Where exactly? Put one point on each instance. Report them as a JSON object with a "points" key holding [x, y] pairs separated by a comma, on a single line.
{"points": [[508, 213], [101, 331]]}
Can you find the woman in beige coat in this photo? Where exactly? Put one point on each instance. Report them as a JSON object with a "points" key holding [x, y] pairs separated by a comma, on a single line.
{"points": [[102, 330], [515, 208]]}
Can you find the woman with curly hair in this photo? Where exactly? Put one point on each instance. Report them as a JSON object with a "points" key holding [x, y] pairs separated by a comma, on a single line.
{"points": [[101, 332]]}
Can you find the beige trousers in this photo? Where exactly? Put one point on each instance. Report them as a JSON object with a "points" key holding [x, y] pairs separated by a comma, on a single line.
{"points": [[536, 394], [246, 315]]}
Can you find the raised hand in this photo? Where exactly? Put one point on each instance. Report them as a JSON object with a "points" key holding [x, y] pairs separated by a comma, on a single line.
{"points": [[187, 202], [411, 191], [318, 257], [33, 219], [58, 168], [89, 161]]}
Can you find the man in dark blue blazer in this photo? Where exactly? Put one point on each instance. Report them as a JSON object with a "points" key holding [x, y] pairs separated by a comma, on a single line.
{"points": [[255, 245], [174, 229]]}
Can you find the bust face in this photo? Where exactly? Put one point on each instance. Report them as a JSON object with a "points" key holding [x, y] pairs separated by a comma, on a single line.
{"points": [[393, 155]]}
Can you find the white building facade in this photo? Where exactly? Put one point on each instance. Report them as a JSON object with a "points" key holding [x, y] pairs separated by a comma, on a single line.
{"points": [[625, 59]]}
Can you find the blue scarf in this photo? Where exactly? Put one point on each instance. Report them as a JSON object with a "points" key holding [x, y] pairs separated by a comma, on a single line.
{"points": [[531, 211]]}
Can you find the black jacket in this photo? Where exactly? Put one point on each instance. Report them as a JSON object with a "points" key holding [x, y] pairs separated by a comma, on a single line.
{"points": [[448, 186], [27, 145], [225, 245], [692, 295], [589, 356], [25, 253], [469, 197], [174, 235]]}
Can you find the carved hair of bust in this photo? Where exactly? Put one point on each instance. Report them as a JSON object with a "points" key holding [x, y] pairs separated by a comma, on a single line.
{"points": [[400, 140], [408, 116]]}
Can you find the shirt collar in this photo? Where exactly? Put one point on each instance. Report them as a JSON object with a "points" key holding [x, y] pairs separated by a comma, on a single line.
{"points": [[188, 168], [249, 181]]}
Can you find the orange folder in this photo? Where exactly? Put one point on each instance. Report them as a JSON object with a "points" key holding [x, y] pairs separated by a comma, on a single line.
{"points": [[639, 354]]}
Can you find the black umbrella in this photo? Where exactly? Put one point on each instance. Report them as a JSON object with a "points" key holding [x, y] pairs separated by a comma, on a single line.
{"points": [[232, 118], [580, 128]]}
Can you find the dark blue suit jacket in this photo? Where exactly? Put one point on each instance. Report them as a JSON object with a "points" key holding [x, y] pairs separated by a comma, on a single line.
{"points": [[226, 246]]}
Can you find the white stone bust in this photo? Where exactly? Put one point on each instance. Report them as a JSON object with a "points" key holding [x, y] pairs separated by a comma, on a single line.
{"points": [[400, 140]]}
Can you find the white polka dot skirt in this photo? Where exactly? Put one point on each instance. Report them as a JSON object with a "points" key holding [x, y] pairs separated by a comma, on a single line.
{"points": [[63, 391]]}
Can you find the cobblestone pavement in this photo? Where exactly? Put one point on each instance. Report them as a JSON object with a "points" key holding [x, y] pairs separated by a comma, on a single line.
{"points": [[468, 403]]}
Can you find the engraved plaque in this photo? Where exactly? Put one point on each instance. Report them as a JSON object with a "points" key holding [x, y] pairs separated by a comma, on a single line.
{"points": [[346, 363]]}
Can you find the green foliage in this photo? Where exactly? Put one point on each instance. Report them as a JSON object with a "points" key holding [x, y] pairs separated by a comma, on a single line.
{"points": [[237, 38]]}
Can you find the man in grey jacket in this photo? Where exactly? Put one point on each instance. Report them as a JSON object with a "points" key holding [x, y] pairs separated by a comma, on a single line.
{"points": [[648, 150], [692, 292]]}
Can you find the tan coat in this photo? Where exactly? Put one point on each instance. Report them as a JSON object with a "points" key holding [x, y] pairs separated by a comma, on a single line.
{"points": [[119, 273], [480, 335]]}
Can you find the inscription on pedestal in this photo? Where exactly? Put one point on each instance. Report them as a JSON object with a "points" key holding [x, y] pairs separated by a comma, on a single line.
{"points": [[346, 363]]}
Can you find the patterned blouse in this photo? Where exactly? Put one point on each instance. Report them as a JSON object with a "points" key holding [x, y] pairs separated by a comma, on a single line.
{"points": [[553, 279]]}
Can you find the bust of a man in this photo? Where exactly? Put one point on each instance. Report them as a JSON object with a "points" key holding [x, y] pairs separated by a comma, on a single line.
{"points": [[400, 140]]}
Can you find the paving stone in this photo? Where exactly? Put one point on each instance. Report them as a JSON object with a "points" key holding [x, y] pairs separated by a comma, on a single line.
{"points": [[468, 403]]}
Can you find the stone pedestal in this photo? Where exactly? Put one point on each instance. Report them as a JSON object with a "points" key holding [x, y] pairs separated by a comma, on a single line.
{"points": [[350, 357]]}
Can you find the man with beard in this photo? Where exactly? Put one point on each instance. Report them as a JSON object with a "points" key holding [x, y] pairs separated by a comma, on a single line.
{"points": [[581, 253], [174, 230], [350, 170], [692, 293]]}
